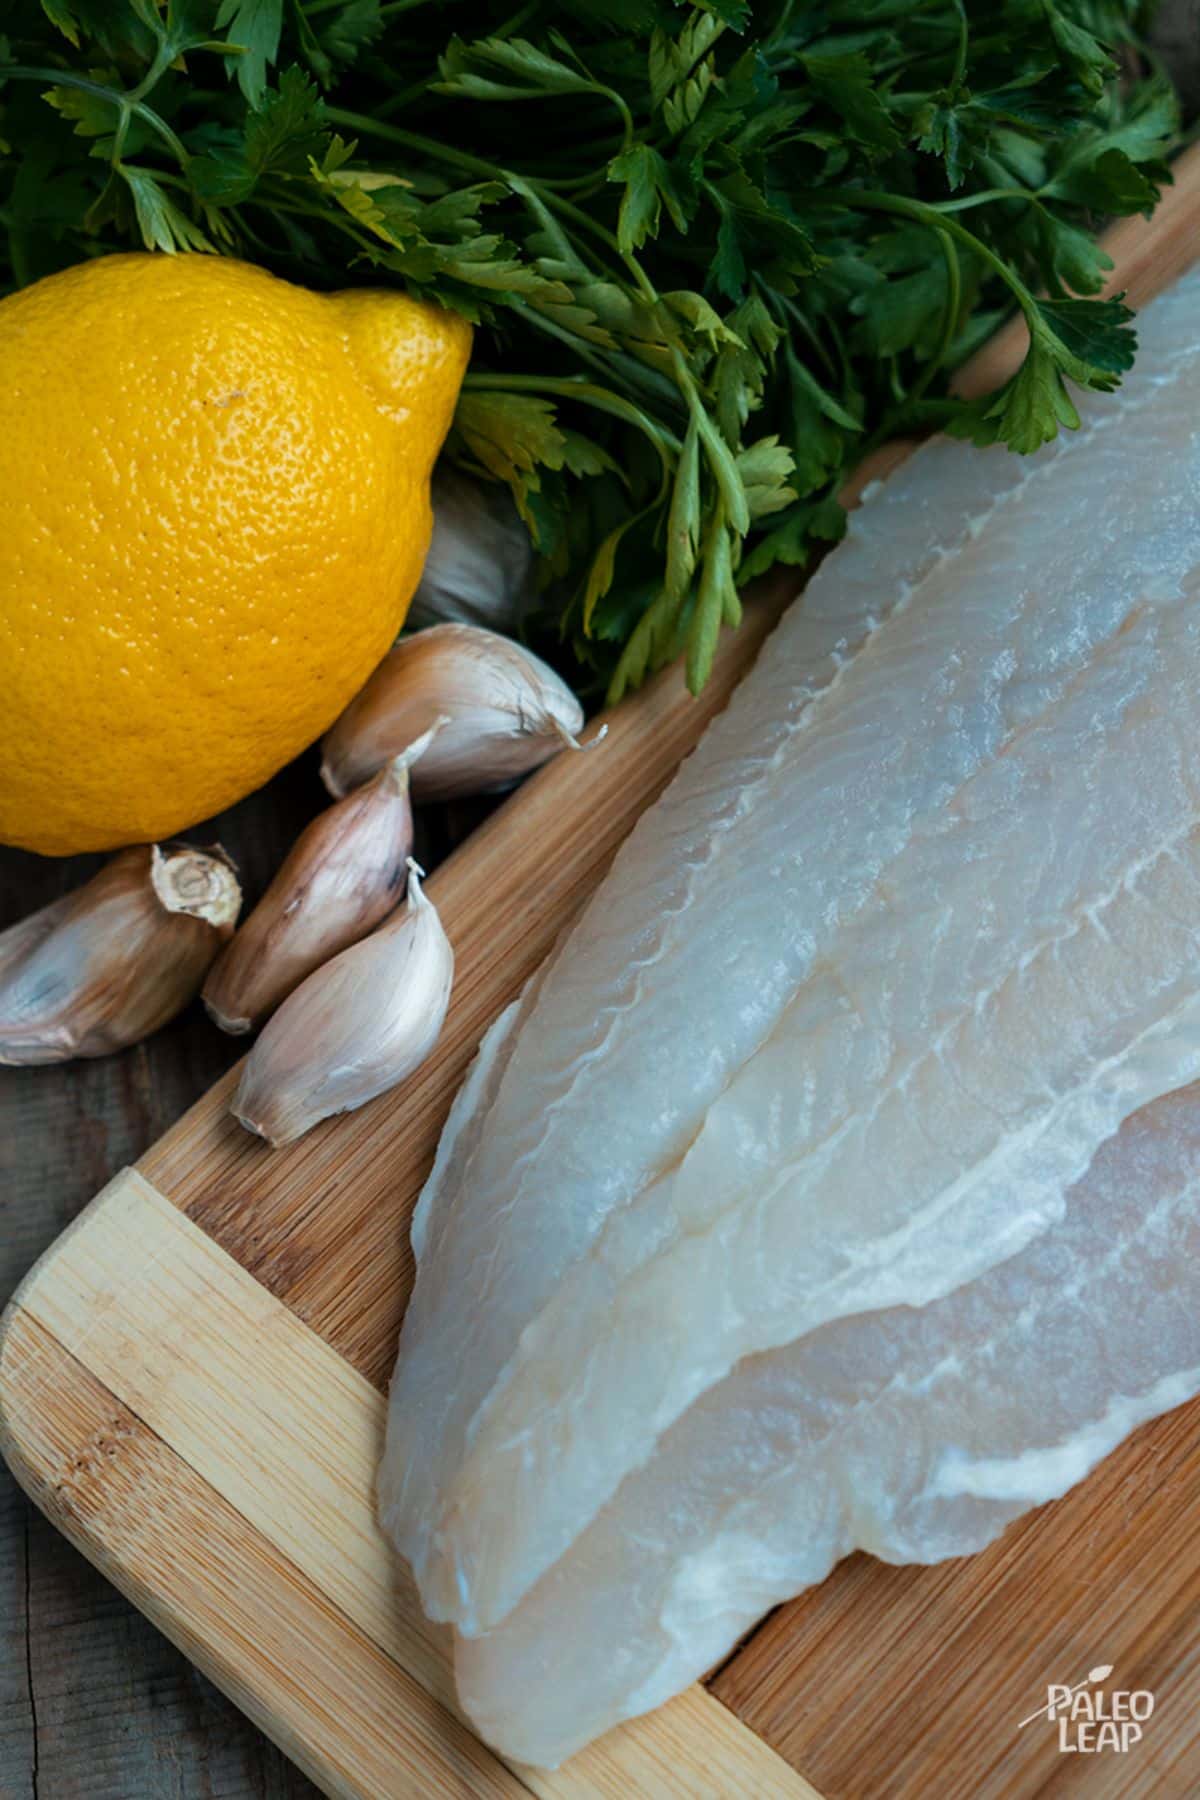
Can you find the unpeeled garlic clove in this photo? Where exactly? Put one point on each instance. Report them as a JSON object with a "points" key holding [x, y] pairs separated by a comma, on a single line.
{"points": [[506, 711], [345, 873], [21, 939], [480, 562], [105, 966], [355, 1028]]}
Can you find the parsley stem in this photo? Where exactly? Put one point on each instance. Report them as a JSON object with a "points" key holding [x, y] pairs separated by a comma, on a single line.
{"points": [[566, 387], [616, 363], [279, 205], [397, 135], [123, 103], [960, 61], [411, 140], [587, 223], [396, 103], [779, 29], [718, 454], [949, 320], [983, 198], [389, 11], [166, 54], [522, 17], [784, 304], [900, 206], [438, 152]]}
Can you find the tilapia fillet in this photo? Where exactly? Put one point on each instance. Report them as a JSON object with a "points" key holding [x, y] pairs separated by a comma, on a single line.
{"points": [[911, 933], [916, 1434]]}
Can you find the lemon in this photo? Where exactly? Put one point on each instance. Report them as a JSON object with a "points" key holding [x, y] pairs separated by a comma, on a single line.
{"points": [[214, 508]]}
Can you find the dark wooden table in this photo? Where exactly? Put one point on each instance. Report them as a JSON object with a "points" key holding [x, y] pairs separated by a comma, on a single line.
{"points": [[94, 1704]]}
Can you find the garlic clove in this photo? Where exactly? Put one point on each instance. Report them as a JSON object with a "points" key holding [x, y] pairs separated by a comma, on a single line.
{"points": [[345, 873], [113, 961], [19, 940], [506, 712], [356, 1027], [480, 563]]}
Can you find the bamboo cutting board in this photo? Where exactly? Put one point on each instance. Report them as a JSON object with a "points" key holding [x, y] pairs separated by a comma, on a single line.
{"points": [[191, 1387]]}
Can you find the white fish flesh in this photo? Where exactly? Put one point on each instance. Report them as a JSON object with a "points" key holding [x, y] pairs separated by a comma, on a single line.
{"points": [[917, 1434], [910, 934]]}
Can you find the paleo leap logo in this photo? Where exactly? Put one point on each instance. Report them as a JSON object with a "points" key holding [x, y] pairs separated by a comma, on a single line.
{"points": [[1088, 1720]]}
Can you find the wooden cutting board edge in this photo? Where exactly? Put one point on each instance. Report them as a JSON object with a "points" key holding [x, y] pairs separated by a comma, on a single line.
{"points": [[215, 1458], [120, 1488]]}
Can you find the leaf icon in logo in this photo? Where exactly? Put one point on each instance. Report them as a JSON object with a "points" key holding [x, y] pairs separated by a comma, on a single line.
{"points": [[1101, 1672]]}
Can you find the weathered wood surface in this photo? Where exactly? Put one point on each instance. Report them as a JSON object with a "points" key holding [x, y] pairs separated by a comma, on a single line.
{"points": [[94, 1703]]}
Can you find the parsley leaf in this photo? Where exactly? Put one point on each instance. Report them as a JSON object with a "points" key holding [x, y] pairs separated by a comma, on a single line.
{"points": [[649, 186], [162, 225], [1086, 341], [254, 28]]}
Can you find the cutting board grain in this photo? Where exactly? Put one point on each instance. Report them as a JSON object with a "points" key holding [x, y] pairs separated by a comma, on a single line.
{"points": [[191, 1388]]}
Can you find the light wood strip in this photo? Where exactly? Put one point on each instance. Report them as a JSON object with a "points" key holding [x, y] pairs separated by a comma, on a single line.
{"points": [[254, 1401], [289, 1435], [331, 1699]]}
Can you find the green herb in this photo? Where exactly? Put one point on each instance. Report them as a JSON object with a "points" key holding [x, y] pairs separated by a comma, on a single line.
{"points": [[715, 251]]}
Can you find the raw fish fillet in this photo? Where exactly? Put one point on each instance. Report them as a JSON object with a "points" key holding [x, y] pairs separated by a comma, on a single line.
{"points": [[915, 1434], [910, 934]]}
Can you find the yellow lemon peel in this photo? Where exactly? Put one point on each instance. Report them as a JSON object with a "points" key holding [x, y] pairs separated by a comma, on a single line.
{"points": [[214, 509]]}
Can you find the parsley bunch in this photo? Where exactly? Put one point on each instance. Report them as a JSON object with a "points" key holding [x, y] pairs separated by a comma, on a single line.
{"points": [[716, 251]]}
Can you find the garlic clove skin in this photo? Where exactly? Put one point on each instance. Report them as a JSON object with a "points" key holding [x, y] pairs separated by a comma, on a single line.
{"points": [[480, 563], [506, 712], [355, 1028], [21, 939], [345, 873], [110, 963]]}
